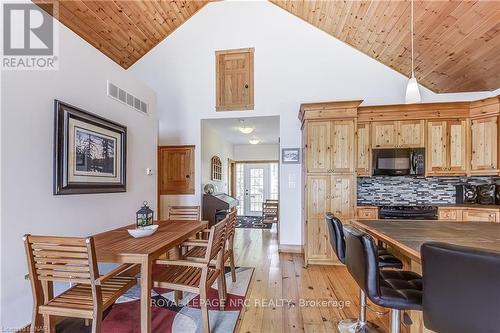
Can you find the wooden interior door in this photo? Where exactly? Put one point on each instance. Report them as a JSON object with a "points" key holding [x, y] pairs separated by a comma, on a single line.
{"points": [[484, 144], [384, 134], [342, 152], [457, 146], [342, 196], [176, 170], [318, 146], [410, 134], [437, 149], [234, 86], [363, 150], [318, 203]]}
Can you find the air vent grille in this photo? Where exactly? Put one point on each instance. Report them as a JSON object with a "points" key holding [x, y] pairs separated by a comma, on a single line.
{"points": [[127, 98]]}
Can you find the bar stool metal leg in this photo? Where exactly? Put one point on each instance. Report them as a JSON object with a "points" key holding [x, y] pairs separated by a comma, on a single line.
{"points": [[395, 320], [360, 325]]}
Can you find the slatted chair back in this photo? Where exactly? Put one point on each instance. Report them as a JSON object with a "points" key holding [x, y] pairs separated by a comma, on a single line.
{"points": [[217, 239], [190, 213], [60, 259], [231, 224]]}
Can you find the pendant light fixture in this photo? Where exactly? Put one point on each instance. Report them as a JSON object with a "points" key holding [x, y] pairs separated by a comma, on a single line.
{"points": [[254, 141], [412, 90], [244, 128]]}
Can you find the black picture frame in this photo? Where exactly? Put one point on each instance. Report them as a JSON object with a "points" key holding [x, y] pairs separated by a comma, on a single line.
{"points": [[290, 155], [66, 114]]}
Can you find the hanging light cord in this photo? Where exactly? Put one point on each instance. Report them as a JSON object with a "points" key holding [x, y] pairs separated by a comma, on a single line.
{"points": [[412, 34]]}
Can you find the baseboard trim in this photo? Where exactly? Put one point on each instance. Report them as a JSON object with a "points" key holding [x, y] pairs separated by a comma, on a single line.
{"points": [[288, 248]]}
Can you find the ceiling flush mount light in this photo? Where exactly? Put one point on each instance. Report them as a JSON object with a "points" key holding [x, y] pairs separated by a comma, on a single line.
{"points": [[244, 128], [254, 141], [412, 90]]}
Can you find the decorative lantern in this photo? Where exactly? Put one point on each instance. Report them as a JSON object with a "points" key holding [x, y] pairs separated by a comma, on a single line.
{"points": [[144, 216]]}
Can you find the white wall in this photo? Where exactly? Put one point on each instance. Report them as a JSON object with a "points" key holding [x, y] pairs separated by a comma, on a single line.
{"points": [[28, 205], [260, 152], [213, 143], [294, 63]]}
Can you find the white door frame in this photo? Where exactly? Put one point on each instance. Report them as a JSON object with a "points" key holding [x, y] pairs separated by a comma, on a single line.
{"points": [[249, 196]]}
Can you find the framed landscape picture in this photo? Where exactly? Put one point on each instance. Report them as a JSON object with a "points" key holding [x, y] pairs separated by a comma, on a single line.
{"points": [[90, 152], [290, 155]]}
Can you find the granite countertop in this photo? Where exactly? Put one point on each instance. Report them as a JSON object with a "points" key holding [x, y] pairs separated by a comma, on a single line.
{"points": [[409, 235]]}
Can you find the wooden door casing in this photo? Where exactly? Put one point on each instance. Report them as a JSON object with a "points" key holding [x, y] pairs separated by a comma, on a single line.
{"points": [[484, 145], [343, 143], [318, 146], [363, 161], [176, 170], [234, 80]]}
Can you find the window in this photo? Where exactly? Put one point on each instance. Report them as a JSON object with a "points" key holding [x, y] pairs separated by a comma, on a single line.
{"points": [[240, 187], [234, 80], [216, 168], [274, 181]]}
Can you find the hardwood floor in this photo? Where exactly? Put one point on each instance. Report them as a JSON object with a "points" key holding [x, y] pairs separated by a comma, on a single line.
{"points": [[282, 277]]}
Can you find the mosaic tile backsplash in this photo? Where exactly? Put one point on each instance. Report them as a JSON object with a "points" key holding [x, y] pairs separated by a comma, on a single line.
{"points": [[393, 191]]}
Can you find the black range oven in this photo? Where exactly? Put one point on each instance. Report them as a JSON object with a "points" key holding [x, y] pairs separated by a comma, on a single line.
{"points": [[409, 212]]}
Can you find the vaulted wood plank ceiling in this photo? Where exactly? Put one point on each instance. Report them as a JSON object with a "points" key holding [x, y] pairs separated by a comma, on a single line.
{"points": [[456, 45], [123, 30]]}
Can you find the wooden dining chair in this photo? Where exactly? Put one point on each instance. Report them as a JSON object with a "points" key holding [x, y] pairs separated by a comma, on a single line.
{"points": [[270, 211], [191, 213], [72, 260], [196, 249], [197, 276]]}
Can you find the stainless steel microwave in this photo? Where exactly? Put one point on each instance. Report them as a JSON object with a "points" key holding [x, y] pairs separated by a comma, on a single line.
{"points": [[399, 162]]}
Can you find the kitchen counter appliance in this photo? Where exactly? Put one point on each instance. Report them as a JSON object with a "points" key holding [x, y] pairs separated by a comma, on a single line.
{"points": [[399, 162], [408, 212]]}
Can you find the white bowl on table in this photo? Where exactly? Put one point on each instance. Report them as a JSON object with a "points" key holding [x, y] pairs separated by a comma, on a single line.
{"points": [[143, 231]]}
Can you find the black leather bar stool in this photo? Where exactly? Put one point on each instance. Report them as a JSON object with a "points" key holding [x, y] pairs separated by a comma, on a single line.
{"points": [[385, 259], [461, 289], [396, 290]]}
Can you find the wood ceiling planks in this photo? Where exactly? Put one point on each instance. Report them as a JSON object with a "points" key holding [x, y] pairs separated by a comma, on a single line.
{"points": [[457, 43], [123, 30]]}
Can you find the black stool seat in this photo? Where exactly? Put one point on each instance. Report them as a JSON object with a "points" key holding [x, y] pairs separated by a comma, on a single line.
{"points": [[337, 240], [387, 260], [400, 290]]}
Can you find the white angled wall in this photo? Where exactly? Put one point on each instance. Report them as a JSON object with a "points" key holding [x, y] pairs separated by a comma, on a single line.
{"points": [[294, 63], [213, 143], [27, 135]]}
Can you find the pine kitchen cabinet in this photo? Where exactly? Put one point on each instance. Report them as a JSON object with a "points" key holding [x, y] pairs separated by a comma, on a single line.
{"points": [[446, 149], [398, 134]]}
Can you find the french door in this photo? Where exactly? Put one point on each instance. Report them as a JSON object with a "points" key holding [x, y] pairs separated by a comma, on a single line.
{"points": [[256, 188], [255, 183]]}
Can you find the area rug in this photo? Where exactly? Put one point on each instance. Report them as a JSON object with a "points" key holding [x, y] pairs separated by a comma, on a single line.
{"points": [[184, 317], [253, 222]]}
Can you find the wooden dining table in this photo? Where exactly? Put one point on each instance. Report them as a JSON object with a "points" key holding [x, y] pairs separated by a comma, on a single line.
{"points": [[405, 237], [117, 246]]}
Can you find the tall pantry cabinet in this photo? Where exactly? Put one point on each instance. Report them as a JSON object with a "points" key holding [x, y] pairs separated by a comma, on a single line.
{"points": [[329, 156]]}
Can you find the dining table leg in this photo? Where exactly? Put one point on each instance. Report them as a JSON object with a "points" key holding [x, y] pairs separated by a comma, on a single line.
{"points": [[146, 285]]}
